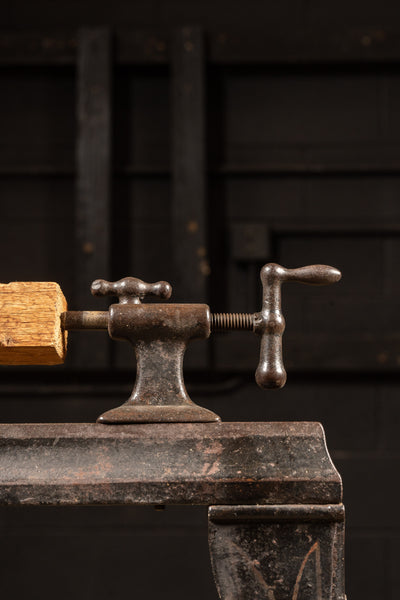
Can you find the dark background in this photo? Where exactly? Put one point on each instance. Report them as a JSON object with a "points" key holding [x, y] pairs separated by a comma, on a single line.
{"points": [[193, 142]]}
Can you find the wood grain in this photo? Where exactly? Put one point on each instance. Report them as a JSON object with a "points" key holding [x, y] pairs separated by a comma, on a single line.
{"points": [[30, 327]]}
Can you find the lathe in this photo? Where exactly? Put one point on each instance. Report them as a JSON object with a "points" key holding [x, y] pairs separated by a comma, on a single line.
{"points": [[276, 518]]}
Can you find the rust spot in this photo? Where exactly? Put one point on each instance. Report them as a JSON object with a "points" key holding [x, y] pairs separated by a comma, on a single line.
{"points": [[214, 448]]}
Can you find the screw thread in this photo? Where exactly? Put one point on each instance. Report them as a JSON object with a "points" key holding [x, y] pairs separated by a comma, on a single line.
{"points": [[228, 321]]}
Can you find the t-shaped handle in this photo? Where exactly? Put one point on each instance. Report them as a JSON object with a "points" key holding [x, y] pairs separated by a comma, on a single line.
{"points": [[131, 290], [270, 322]]}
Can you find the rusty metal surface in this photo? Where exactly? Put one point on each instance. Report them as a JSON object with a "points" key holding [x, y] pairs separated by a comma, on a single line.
{"points": [[232, 321], [270, 323], [281, 513], [160, 335], [131, 290], [84, 319], [193, 463], [281, 552]]}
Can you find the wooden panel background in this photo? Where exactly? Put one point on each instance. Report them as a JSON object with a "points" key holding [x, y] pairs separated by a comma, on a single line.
{"points": [[297, 128]]}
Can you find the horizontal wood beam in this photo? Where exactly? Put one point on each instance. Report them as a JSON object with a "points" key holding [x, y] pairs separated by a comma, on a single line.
{"points": [[223, 171], [319, 226], [152, 47], [377, 157], [296, 46], [313, 353]]}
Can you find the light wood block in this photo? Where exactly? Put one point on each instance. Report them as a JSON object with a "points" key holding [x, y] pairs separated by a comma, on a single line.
{"points": [[30, 324]]}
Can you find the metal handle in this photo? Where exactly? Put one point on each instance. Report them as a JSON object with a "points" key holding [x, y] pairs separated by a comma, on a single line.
{"points": [[131, 290], [270, 322]]}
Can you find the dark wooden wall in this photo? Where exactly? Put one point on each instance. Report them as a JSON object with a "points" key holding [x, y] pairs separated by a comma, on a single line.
{"points": [[194, 141]]}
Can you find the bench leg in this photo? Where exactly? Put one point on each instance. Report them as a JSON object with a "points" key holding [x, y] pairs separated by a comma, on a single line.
{"points": [[280, 552]]}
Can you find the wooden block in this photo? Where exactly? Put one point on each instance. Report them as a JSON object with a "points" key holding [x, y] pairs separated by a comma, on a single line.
{"points": [[30, 325]]}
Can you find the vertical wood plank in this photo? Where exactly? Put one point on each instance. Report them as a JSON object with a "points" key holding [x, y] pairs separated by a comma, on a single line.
{"points": [[189, 226], [93, 184]]}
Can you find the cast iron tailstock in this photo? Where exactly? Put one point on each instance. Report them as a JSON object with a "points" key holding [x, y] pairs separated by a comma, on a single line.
{"points": [[160, 334]]}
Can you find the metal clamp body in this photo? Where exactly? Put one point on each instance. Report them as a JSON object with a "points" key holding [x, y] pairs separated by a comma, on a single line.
{"points": [[159, 334]]}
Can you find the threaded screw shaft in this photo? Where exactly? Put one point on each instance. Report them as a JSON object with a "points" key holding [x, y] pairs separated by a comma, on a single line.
{"points": [[229, 321]]}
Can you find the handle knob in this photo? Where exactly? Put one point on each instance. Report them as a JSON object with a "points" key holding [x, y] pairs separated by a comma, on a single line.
{"points": [[270, 322], [130, 290]]}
